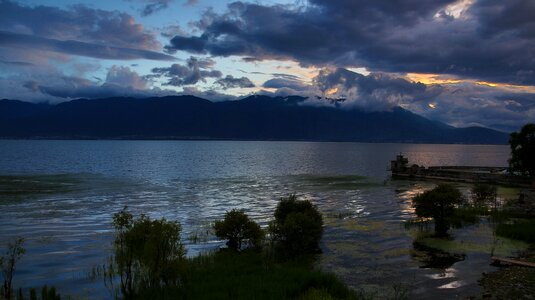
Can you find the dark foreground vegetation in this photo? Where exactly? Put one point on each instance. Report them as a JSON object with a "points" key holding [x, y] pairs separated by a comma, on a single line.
{"points": [[251, 274], [149, 260], [446, 208]]}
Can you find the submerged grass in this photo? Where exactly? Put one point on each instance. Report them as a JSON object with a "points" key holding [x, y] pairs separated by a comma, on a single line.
{"points": [[502, 247], [31, 185], [342, 182]]}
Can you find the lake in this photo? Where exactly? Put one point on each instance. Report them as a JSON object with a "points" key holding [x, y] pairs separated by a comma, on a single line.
{"points": [[60, 196]]}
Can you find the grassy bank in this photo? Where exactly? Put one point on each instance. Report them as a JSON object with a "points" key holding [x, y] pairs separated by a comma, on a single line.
{"points": [[253, 275], [523, 230]]}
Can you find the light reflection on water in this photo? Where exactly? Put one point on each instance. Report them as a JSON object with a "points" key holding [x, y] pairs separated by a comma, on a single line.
{"points": [[64, 193]]}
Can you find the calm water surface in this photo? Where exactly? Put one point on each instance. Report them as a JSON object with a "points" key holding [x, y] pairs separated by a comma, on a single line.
{"points": [[60, 196]]}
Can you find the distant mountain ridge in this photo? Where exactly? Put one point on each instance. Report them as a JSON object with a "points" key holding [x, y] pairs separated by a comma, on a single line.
{"points": [[252, 118]]}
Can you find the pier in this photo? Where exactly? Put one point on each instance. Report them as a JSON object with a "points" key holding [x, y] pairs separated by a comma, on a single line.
{"points": [[401, 169]]}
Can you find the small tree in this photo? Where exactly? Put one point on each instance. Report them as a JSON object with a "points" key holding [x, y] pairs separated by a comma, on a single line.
{"points": [[8, 264], [298, 225], [148, 253], [484, 194], [238, 229], [439, 204], [523, 150]]}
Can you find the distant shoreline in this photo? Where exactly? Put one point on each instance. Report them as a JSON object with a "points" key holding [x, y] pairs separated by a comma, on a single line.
{"points": [[229, 140]]}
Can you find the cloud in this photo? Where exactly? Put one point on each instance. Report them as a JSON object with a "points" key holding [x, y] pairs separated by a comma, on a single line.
{"points": [[14, 40], [15, 63], [285, 82], [458, 104], [192, 72], [154, 6], [376, 91], [123, 76], [191, 2], [383, 36], [77, 30], [79, 23], [120, 82], [230, 81], [207, 94]]}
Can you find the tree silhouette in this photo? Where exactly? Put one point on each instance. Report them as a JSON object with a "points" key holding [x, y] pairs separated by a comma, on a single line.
{"points": [[523, 150], [439, 204], [238, 229]]}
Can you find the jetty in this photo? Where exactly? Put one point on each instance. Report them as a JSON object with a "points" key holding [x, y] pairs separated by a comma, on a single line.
{"points": [[508, 261], [401, 169]]}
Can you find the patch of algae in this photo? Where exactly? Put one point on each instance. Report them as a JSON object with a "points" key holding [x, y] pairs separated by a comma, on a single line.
{"points": [[502, 246], [363, 225]]}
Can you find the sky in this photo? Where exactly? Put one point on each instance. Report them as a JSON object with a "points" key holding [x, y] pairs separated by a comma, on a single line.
{"points": [[462, 62]]}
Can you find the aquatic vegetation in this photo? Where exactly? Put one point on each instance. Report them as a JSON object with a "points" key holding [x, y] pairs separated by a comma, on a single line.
{"points": [[523, 230], [47, 293], [502, 247], [15, 187], [339, 182], [363, 225]]}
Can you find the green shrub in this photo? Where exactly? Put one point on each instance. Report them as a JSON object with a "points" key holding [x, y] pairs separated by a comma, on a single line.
{"points": [[238, 229], [439, 204], [148, 253], [298, 225]]}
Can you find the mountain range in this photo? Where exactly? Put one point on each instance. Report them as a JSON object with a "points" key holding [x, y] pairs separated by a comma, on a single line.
{"points": [[252, 118]]}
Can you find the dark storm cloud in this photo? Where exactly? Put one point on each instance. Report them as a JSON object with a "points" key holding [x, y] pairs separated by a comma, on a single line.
{"points": [[376, 91], [460, 104], [516, 16], [192, 72], [384, 35], [77, 30], [24, 41], [230, 81]]}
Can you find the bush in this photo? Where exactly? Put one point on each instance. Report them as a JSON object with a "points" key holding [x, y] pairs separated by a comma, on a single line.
{"points": [[148, 253], [238, 229], [484, 195], [298, 225], [439, 204]]}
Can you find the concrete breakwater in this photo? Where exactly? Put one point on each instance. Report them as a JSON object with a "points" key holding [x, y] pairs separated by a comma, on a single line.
{"points": [[401, 168]]}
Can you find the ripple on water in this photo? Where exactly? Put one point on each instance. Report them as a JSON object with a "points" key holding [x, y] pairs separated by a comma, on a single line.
{"points": [[66, 218]]}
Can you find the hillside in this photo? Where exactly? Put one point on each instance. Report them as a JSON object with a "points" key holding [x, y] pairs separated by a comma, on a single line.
{"points": [[252, 118]]}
